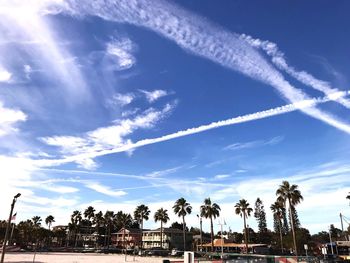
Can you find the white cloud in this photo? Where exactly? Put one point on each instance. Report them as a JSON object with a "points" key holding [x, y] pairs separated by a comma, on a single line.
{"points": [[122, 50], [84, 148], [105, 136], [254, 144], [27, 70], [221, 176], [278, 58], [9, 118], [5, 76], [203, 39], [154, 95], [104, 189], [122, 99]]}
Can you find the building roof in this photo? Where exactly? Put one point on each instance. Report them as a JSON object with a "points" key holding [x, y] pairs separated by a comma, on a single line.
{"points": [[226, 243], [166, 230], [129, 231]]}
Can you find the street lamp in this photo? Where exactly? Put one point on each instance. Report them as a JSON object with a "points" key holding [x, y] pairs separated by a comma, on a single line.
{"points": [[8, 227], [200, 223]]}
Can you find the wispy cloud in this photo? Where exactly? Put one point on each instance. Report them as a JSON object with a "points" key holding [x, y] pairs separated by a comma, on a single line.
{"points": [[202, 38], [84, 151], [254, 144], [154, 95], [121, 50], [5, 76], [102, 139], [278, 58], [104, 189], [9, 118], [122, 99]]}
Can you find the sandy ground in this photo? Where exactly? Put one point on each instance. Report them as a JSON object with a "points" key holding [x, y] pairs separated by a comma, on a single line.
{"points": [[76, 258]]}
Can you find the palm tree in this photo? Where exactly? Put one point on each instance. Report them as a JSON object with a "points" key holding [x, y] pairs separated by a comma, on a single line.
{"points": [[124, 220], [109, 221], [290, 194], [49, 220], [162, 216], [75, 224], [182, 208], [98, 221], [141, 213], [243, 209], [210, 210], [89, 213], [276, 209], [36, 221]]}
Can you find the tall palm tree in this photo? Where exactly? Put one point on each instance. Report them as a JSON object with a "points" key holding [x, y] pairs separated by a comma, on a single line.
{"points": [[243, 209], [182, 208], [89, 213], [75, 224], [109, 221], [162, 216], [49, 220], [36, 221], [290, 194], [98, 221], [276, 209], [124, 220], [141, 213], [210, 210]]}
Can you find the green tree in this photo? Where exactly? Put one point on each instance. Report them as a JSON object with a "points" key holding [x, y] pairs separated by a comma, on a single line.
{"points": [[49, 220], [243, 209], [210, 210], [141, 213], [291, 196], [109, 217], [98, 221], [276, 209], [75, 224], [260, 215], [162, 216], [89, 214], [182, 208]]}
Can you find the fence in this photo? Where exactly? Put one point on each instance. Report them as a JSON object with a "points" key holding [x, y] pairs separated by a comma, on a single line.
{"points": [[239, 258]]}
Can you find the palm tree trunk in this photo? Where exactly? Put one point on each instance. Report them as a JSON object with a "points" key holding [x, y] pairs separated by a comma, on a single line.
{"points": [[212, 234], [161, 234], [292, 225], [245, 233], [141, 244], [281, 237], [184, 231]]}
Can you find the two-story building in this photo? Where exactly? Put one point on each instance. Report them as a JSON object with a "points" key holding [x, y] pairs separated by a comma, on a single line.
{"points": [[126, 237], [171, 238]]}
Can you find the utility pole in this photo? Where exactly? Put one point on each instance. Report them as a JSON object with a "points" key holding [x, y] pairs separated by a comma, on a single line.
{"points": [[200, 229], [330, 241], [8, 227], [222, 237]]}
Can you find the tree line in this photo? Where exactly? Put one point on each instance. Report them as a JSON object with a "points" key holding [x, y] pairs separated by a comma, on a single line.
{"points": [[287, 233]]}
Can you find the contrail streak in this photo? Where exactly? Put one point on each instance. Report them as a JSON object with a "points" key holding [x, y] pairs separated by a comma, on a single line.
{"points": [[233, 121]]}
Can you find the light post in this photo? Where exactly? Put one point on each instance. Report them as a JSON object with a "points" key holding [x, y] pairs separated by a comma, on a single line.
{"points": [[330, 241], [200, 224], [222, 237], [8, 227]]}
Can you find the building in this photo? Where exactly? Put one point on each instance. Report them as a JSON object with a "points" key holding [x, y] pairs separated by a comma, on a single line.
{"points": [[229, 246], [172, 238], [126, 237]]}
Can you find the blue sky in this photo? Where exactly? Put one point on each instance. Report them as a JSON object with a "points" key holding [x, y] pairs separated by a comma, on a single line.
{"points": [[126, 102]]}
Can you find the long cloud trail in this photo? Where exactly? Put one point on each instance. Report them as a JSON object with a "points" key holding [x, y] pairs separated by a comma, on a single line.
{"points": [[278, 58], [301, 105], [201, 38]]}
